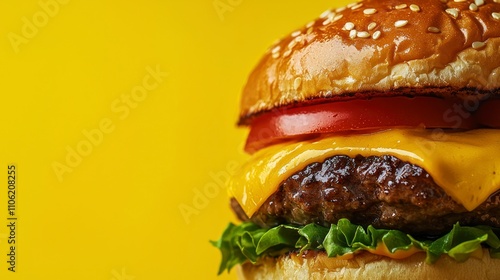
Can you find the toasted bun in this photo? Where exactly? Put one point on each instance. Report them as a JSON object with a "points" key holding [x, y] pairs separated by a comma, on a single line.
{"points": [[369, 266], [380, 48]]}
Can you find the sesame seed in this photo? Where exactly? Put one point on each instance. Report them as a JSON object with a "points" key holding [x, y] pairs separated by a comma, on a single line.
{"points": [[276, 55], [400, 23], [327, 21], [376, 34], [341, 9], [337, 17], [415, 8], [310, 24], [349, 26], [473, 7], [276, 49], [299, 39], [355, 7], [297, 82], [363, 34], [371, 26], [353, 33], [369, 11], [479, 2], [350, 5], [433, 29], [296, 33], [496, 15], [287, 53], [292, 44], [452, 12], [400, 6], [459, 1], [325, 14], [310, 30], [478, 45]]}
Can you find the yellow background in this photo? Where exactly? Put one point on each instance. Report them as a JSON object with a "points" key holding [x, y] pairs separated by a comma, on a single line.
{"points": [[70, 69]]}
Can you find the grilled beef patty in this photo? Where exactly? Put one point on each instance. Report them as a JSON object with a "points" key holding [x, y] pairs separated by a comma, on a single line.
{"points": [[385, 192]]}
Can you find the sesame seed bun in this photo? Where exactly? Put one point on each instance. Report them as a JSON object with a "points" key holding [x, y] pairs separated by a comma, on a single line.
{"points": [[381, 48], [368, 266]]}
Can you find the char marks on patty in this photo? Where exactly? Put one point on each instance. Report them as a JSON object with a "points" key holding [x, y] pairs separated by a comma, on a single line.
{"points": [[385, 192]]}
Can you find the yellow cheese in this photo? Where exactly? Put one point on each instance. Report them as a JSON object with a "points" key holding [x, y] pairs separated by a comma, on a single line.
{"points": [[382, 250], [465, 164]]}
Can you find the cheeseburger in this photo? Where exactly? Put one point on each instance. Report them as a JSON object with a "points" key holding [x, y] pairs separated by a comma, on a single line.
{"points": [[375, 147]]}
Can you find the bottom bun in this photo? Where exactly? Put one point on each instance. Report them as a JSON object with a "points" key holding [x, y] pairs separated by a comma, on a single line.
{"points": [[317, 265]]}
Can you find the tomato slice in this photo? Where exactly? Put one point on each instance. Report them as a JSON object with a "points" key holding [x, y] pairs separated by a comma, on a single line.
{"points": [[488, 113], [357, 115]]}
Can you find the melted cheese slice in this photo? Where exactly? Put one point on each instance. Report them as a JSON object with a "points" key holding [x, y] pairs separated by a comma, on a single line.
{"points": [[465, 164], [382, 250]]}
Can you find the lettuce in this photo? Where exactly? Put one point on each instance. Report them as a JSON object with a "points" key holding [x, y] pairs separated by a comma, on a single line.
{"points": [[249, 242]]}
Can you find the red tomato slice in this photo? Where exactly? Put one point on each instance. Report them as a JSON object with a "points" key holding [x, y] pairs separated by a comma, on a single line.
{"points": [[488, 113], [356, 115]]}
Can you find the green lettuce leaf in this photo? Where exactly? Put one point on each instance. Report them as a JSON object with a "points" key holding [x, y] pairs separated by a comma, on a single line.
{"points": [[249, 242], [278, 238]]}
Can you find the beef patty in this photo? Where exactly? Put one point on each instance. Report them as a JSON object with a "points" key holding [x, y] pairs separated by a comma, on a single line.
{"points": [[385, 192]]}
